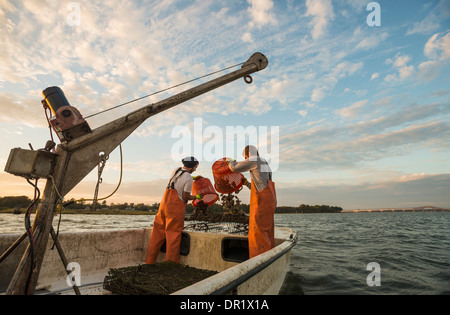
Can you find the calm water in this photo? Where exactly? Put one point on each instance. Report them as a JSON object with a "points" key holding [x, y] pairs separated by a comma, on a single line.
{"points": [[331, 256], [333, 250]]}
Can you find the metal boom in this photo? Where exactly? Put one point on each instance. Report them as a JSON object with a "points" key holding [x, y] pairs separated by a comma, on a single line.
{"points": [[79, 157]]}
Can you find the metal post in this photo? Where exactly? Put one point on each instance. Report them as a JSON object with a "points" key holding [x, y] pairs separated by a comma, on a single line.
{"points": [[63, 257], [13, 247]]}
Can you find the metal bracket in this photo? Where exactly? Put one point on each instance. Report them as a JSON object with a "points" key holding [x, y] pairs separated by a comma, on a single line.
{"points": [[257, 59], [30, 164]]}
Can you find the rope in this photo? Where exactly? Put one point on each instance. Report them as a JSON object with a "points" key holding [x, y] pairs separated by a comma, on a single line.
{"points": [[164, 90], [56, 188]]}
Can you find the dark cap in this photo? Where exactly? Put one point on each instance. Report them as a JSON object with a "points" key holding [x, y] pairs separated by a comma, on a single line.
{"points": [[190, 161]]}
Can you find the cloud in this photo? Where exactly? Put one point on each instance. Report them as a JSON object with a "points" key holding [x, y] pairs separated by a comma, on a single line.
{"points": [[400, 64], [22, 110], [322, 12], [432, 21], [426, 26], [345, 68], [260, 12], [303, 113], [353, 110], [376, 146], [357, 5], [329, 80], [396, 192], [146, 192], [317, 95], [247, 37], [429, 70], [438, 47], [370, 41], [399, 132]]}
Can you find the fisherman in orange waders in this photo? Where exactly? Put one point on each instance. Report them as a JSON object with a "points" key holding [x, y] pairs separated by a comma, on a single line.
{"points": [[263, 201], [169, 221]]}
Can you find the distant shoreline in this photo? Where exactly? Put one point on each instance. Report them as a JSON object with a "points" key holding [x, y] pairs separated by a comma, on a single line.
{"points": [[125, 212], [88, 212], [134, 212], [13, 204]]}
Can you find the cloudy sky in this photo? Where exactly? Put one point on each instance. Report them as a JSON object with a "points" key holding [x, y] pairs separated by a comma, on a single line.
{"points": [[352, 111]]}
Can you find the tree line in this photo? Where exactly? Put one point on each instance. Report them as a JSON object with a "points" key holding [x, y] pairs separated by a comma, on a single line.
{"points": [[13, 202], [309, 209]]}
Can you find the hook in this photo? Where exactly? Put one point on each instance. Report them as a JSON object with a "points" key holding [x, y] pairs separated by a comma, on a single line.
{"points": [[248, 79]]}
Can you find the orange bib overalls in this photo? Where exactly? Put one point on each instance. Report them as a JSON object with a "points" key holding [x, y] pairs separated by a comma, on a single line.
{"points": [[261, 223], [167, 226]]}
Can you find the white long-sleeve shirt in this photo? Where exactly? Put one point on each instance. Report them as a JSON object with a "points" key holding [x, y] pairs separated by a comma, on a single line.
{"points": [[259, 169]]}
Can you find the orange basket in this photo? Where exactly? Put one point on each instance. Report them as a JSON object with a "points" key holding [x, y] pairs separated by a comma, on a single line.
{"points": [[202, 186], [225, 180]]}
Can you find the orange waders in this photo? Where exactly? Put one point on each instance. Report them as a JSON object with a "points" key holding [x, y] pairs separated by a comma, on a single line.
{"points": [[261, 223], [168, 224]]}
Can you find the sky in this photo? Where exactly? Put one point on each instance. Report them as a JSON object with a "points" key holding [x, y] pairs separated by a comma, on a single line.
{"points": [[352, 111]]}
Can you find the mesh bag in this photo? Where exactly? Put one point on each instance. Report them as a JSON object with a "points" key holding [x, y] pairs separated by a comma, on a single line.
{"points": [[154, 279], [204, 187], [225, 180]]}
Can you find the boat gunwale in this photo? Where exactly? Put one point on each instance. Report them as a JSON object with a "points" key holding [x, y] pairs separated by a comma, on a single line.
{"points": [[255, 265]]}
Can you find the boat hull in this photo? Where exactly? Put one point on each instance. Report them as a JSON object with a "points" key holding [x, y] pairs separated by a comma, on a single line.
{"points": [[92, 254]]}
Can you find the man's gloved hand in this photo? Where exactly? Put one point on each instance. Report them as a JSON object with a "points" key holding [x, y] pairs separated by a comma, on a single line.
{"points": [[230, 160], [246, 182], [199, 196]]}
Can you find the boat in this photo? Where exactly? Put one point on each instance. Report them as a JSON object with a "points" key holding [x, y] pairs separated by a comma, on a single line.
{"points": [[95, 253]]}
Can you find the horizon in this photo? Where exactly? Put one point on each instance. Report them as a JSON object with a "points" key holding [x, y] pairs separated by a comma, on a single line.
{"points": [[374, 209], [352, 111]]}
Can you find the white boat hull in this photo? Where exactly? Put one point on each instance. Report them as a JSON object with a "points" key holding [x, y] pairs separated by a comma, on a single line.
{"points": [[92, 254]]}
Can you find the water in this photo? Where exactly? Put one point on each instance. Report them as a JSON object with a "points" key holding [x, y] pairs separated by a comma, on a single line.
{"points": [[14, 224], [333, 250]]}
